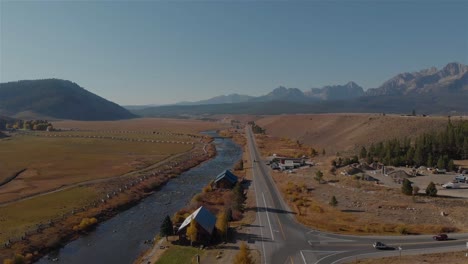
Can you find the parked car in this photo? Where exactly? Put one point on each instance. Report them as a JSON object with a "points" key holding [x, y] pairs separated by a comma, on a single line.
{"points": [[382, 246], [440, 237], [451, 185], [460, 178]]}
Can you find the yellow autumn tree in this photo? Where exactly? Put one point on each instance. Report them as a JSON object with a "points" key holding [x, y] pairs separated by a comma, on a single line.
{"points": [[243, 257], [222, 224], [192, 231]]}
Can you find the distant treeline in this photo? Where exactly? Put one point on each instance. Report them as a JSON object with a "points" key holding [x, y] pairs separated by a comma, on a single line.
{"points": [[256, 129], [435, 149], [27, 125]]}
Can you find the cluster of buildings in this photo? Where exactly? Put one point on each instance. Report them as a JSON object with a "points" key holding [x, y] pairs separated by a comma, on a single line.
{"points": [[203, 218]]}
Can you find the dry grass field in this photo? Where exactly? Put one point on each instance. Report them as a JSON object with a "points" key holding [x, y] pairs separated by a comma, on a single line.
{"points": [[64, 171], [345, 132], [52, 162], [24, 215], [436, 258]]}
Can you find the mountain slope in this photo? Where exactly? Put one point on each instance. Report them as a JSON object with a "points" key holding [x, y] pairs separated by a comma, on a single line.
{"points": [[337, 92], [282, 94], [222, 99], [57, 99], [453, 78]]}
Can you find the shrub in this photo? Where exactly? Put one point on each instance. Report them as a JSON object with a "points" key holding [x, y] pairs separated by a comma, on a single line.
{"points": [[207, 188], [86, 223], [431, 189], [333, 201], [406, 188], [402, 229], [243, 257]]}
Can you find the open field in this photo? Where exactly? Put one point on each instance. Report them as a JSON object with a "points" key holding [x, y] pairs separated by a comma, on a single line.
{"points": [[437, 258], [143, 124], [67, 175], [21, 216], [52, 162], [346, 132]]}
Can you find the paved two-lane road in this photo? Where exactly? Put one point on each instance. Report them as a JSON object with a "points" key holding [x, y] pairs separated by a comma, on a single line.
{"points": [[282, 240]]}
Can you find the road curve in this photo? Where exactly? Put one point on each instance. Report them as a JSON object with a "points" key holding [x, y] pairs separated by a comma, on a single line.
{"points": [[281, 239]]}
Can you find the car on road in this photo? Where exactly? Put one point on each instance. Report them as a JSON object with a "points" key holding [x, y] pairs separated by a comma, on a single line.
{"points": [[382, 246], [440, 237]]}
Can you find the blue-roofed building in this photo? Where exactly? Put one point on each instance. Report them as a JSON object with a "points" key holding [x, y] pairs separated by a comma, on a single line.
{"points": [[205, 221], [225, 180]]}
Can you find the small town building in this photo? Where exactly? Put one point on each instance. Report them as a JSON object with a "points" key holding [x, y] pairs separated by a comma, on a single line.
{"points": [[225, 180], [205, 222]]}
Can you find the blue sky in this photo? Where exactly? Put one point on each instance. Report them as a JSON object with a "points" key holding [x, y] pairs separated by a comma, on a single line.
{"points": [[142, 52]]}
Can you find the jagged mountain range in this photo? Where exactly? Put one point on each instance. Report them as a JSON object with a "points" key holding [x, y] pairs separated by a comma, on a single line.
{"points": [[452, 78], [431, 90]]}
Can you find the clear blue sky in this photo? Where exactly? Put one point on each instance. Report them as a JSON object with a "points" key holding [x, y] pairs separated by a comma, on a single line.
{"points": [[141, 52]]}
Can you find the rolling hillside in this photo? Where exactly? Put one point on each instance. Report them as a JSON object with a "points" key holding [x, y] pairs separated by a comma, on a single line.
{"points": [[54, 98], [347, 132]]}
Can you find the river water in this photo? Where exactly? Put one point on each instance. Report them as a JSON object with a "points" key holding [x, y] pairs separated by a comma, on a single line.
{"points": [[120, 239]]}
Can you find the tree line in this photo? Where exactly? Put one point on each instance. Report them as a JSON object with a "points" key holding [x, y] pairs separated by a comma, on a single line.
{"points": [[256, 129], [41, 125], [434, 149]]}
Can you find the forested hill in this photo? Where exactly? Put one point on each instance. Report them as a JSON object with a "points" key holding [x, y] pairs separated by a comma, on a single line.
{"points": [[56, 98]]}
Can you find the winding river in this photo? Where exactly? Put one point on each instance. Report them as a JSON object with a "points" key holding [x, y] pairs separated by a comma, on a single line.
{"points": [[121, 238]]}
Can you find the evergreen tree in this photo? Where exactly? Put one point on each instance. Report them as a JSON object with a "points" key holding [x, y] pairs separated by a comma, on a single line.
{"points": [[319, 176], [239, 197], [166, 228], [431, 189], [441, 163], [406, 188], [333, 202], [363, 153], [430, 162], [450, 165]]}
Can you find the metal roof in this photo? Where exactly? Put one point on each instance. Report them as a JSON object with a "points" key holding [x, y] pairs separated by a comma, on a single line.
{"points": [[203, 217], [228, 175]]}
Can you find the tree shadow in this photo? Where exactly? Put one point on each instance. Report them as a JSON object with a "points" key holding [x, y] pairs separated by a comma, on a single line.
{"points": [[270, 210]]}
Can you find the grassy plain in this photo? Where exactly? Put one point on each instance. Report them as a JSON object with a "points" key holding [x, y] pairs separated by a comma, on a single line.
{"points": [[24, 215], [57, 166], [52, 162], [179, 254]]}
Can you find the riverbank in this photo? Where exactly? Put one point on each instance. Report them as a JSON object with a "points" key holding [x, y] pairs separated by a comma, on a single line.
{"points": [[162, 250], [53, 235]]}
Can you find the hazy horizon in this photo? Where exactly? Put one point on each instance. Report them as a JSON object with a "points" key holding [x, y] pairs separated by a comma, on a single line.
{"points": [[157, 52]]}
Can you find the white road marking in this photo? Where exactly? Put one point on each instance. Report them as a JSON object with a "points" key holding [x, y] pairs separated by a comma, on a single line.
{"points": [[318, 261], [268, 218], [303, 258], [258, 209]]}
